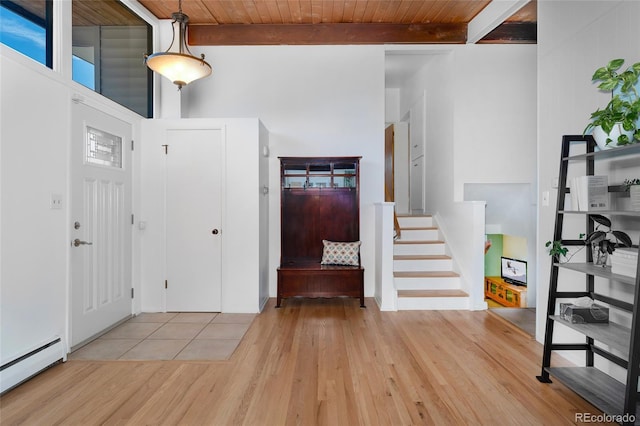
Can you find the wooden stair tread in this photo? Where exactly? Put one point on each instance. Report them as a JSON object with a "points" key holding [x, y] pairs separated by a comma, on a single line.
{"points": [[418, 241], [421, 257], [425, 274], [419, 228], [432, 293]]}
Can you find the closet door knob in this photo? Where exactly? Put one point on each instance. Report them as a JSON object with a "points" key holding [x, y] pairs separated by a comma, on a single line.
{"points": [[215, 232]]}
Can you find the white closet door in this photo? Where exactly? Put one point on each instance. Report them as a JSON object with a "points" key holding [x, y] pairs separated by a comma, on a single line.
{"points": [[193, 219]]}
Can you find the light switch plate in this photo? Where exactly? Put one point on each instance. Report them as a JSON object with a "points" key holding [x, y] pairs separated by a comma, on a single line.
{"points": [[545, 198]]}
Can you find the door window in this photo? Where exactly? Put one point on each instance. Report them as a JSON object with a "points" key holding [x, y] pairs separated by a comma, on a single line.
{"points": [[103, 148]]}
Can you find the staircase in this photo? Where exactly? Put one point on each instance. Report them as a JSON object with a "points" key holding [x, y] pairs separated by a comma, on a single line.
{"points": [[423, 273]]}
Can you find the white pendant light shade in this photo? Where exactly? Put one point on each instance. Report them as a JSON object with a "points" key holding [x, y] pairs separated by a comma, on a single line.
{"points": [[177, 63], [181, 69]]}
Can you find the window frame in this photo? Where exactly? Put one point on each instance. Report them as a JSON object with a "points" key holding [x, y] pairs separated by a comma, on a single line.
{"points": [[46, 24], [151, 29]]}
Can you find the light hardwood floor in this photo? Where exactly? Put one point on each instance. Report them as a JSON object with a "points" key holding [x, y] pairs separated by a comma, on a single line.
{"points": [[318, 362]]}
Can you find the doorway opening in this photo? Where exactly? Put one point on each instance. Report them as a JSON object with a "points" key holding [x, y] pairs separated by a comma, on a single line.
{"points": [[510, 235]]}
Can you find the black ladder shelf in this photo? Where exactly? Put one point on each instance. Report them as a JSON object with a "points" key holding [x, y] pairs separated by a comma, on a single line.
{"points": [[619, 400]]}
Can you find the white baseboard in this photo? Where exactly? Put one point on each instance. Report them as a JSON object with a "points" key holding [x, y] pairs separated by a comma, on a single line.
{"points": [[21, 369]]}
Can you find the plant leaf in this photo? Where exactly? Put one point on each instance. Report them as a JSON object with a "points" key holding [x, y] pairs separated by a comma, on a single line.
{"points": [[623, 140], [602, 220], [595, 237], [609, 246], [608, 85], [600, 74], [623, 239], [615, 64]]}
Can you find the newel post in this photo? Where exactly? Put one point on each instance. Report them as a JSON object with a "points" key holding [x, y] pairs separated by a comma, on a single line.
{"points": [[385, 292]]}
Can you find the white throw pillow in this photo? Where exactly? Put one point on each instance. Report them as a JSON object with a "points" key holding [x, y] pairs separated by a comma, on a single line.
{"points": [[341, 253]]}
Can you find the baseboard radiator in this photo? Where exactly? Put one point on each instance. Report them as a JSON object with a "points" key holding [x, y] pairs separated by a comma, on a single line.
{"points": [[28, 365]]}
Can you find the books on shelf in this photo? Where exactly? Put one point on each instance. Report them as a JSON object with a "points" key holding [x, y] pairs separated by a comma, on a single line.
{"points": [[589, 193]]}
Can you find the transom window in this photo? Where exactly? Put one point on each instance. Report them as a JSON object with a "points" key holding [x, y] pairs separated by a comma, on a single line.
{"points": [[27, 27], [109, 43]]}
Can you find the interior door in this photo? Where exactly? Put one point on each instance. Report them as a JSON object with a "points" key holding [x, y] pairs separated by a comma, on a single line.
{"points": [[416, 193], [100, 222], [389, 190], [193, 218]]}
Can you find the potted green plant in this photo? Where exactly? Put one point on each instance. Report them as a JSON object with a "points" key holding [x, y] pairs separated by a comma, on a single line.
{"points": [[617, 123], [602, 241], [633, 186], [556, 250]]}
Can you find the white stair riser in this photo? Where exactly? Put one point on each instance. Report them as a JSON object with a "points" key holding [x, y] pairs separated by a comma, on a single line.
{"points": [[427, 283], [415, 222], [418, 234], [433, 303], [423, 265], [418, 249]]}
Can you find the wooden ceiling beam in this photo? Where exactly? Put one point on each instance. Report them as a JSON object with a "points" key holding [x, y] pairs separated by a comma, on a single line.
{"points": [[315, 34], [491, 16], [513, 33]]}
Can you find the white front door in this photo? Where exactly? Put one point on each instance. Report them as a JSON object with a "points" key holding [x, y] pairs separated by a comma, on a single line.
{"points": [[100, 222], [193, 219]]}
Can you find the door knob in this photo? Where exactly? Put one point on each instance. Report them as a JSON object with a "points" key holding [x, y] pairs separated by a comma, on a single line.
{"points": [[77, 242], [215, 232]]}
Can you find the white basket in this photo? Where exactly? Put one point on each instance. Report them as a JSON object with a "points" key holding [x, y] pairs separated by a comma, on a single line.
{"points": [[634, 192], [624, 261]]}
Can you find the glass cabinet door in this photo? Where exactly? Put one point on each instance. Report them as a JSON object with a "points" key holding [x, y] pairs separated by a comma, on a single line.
{"points": [[294, 176], [320, 175], [344, 175]]}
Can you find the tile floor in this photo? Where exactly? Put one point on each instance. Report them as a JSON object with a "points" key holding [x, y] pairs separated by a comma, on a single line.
{"points": [[165, 336]]}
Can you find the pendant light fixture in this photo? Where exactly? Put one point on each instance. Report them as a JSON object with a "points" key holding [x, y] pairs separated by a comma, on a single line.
{"points": [[178, 63]]}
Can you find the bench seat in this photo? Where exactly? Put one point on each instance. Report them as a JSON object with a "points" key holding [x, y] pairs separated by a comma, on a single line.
{"points": [[312, 279]]}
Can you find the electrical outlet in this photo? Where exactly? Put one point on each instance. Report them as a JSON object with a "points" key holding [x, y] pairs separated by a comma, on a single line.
{"points": [[56, 201]]}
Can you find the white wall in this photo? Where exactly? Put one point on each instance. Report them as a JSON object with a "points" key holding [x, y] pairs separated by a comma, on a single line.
{"points": [[495, 127], [462, 227], [264, 255], [35, 243], [481, 109], [574, 39], [392, 104], [315, 101]]}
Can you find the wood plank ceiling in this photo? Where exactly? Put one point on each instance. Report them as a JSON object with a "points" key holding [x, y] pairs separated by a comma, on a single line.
{"points": [[260, 22], [264, 22]]}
